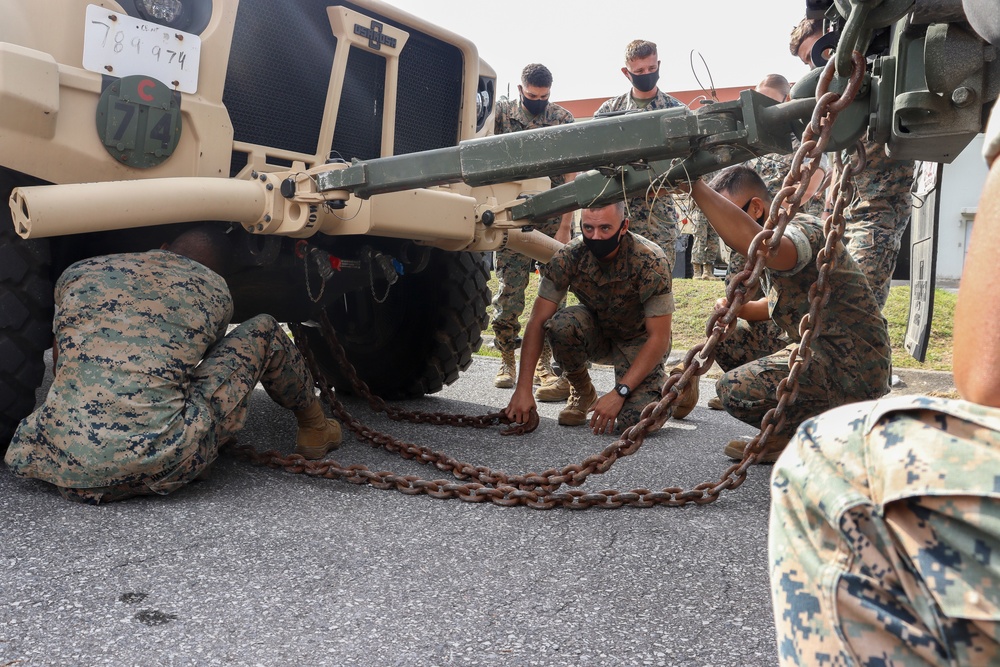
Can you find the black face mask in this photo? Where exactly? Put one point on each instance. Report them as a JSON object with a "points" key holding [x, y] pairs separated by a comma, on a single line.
{"points": [[534, 107], [601, 248], [644, 82]]}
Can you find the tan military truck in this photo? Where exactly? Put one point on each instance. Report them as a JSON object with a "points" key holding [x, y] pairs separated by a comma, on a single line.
{"points": [[229, 91]]}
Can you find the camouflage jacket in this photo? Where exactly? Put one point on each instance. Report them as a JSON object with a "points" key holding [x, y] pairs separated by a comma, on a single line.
{"points": [[129, 328], [853, 334], [511, 116], [882, 187], [635, 285], [626, 103]]}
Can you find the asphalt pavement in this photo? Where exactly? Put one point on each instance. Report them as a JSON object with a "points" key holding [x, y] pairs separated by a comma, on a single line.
{"points": [[254, 566]]}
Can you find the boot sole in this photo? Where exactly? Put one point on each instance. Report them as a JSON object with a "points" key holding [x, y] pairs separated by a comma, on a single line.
{"points": [[572, 421], [313, 452], [736, 452]]}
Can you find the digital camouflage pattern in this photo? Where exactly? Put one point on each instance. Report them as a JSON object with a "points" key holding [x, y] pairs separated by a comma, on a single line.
{"points": [[705, 248], [626, 103], [773, 168], [146, 383], [892, 558], [656, 220], [850, 356], [513, 268], [609, 325], [877, 218], [652, 215]]}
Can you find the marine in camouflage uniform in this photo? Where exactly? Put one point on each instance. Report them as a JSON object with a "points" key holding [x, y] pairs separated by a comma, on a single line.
{"points": [[706, 240], [772, 168], [759, 338], [885, 518], [850, 356], [609, 324], [513, 268], [877, 218], [654, 216], [705, 248], [147, 383], [885, 536]]}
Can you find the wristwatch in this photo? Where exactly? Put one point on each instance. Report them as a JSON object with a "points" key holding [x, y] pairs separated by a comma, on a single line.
{"points": [[623, 390]]}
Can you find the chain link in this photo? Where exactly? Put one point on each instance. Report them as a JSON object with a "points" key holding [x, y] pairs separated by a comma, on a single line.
{"points": [[542, 490]]}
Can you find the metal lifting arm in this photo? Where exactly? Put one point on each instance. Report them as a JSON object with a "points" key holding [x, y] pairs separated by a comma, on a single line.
{"points": [[628, 149], [630, 145]]}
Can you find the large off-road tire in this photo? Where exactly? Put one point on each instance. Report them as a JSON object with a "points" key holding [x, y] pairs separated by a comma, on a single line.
{"points": [[421, 336], [25, 317]]}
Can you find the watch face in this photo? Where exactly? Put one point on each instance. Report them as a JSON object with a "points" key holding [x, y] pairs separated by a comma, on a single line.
{"points": [[623, 390]]}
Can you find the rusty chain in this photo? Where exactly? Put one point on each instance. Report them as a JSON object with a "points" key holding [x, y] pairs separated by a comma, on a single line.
{"points": [[541, 490]]}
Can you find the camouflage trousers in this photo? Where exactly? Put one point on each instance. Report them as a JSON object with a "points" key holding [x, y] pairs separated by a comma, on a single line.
{"points": [[576, 339], [706, 242], [755, 360], [256, 351], [513, 272], [874, 240], [885, 537]]}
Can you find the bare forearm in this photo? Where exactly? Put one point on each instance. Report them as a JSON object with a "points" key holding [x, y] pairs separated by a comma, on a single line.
{"points": [[531, 350], [755, 311], [721, 214]]}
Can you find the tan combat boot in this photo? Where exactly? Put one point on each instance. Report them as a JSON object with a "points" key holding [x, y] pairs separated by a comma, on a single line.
{"points": [[552, 387], [696, 271], [715, 403], [772, 448], [553, 392], [687, 399], [317, 435], [543, 369], [508, 371], [707, 272], [582, 397]]}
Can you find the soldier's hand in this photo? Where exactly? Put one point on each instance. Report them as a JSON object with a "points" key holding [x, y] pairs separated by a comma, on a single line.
{"points": [[521, 405], [605, 412], [721, 305]]}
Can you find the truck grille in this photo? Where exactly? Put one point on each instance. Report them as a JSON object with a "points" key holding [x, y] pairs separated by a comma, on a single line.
{"points": [[279, 71]]}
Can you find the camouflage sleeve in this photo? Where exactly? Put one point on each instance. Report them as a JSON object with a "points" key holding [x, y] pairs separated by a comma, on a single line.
{"points": [[547, 289], [556, 276], [884, 537], [673, 101], [500, 115], [659, 305], [657, 288], [557, 115], [803, 248], [607, 107]]}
